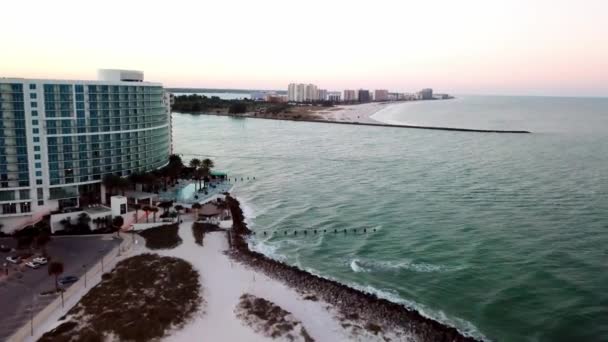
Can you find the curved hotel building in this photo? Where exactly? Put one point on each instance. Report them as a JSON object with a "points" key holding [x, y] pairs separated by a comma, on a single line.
{"points": [[59, 138]]}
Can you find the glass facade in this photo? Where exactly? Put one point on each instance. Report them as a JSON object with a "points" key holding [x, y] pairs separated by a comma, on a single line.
{"points": [[79, 132], [111, 130], [14, 170]]}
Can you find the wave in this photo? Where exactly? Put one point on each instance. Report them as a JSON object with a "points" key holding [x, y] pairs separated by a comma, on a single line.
{"points": [[463, 326], [354, 265], [363, 265]]}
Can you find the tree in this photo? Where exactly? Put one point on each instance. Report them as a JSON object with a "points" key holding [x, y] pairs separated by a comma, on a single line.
{"points": [[67, 223], [136, 207], [238, 108], [208, 163], [165, 205], [123, 184], [196, 206], [83, 220], [179, 209], [154, 210], [147, 209], [111, 182], [195, 163], [117, 223], [55, 269]]}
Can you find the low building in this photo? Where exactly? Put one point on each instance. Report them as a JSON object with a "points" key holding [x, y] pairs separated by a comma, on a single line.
{"points": [[334, 96], [381, 95], [426, 94]]}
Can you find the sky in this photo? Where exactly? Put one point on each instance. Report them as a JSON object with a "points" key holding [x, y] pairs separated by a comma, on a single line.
{"points": [[531, 47]]}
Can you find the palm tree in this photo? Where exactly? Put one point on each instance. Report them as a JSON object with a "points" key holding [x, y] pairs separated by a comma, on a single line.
{"points": [[123, 184], [55, 269], [196, 206], [165, 205], [83, 220], [136, 207], [147, 209], [208, 163], [117, 223], [154, 210], [195, 163], [178, 208]]}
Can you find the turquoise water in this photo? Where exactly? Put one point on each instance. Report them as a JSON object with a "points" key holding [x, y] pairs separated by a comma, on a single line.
{"points": [[503, 236]]}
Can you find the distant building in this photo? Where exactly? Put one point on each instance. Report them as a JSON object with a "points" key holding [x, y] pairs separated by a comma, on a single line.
{"points": [[300, 92], [334, 96], [311, 93], [275, 98], [426, 94], [322, 95], [364, 95], [381, 95], [296, 92], [350, 96], [291, 92], [258, 96]]}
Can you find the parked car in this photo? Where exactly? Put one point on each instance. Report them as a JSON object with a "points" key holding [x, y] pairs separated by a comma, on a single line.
{"points": [[4, 248], [41, 260], [32, 264], [67, 280], [13, 259]]}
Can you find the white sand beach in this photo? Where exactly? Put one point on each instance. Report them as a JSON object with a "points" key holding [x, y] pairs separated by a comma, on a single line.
{"points": [[360, 113], [224, 281]]}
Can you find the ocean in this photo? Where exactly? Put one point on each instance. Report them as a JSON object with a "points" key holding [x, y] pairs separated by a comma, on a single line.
{"points": [[503, 236]]}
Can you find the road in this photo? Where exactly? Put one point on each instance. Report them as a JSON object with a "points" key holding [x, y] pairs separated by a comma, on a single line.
{"points": [[22, 288]]}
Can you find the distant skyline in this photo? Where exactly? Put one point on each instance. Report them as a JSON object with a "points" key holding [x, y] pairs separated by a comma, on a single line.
{"points": [[516, 47]]}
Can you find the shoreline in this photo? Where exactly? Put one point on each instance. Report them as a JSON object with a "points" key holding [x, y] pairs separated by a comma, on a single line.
{"points": [[370, 122], [349, 301]]}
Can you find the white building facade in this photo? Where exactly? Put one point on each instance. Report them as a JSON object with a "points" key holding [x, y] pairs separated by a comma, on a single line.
{"points": [[59, 138]]}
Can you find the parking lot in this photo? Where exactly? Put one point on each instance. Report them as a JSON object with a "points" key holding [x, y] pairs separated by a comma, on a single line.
{"points": [[21, 290]]}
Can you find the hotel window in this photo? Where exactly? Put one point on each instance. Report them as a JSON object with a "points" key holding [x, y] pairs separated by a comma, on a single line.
{"points": [[41, 202], [37, 148], [38, 165], [36, 139], [39, 181], [32, 87], [34, 122], [26, 207], [32, 96], [38, 173], [34, 105], [34, 113], [36, 131], [37, 156]]}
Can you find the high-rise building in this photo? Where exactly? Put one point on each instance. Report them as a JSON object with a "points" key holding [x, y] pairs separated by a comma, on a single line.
{"points": [[311, 93], [426, 94], [322, 95], [350, 95], [301, 92], [59, 138], [291, 92], [364, 95], [334, 96], [381, 95]]}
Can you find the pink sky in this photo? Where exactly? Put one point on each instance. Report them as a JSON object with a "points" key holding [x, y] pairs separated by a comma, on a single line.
{"points": [[533, 47]]}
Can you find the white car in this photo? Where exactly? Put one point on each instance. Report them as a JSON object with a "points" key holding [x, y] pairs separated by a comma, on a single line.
{"points": [[32, 264], [13, 259], [40, 260]]}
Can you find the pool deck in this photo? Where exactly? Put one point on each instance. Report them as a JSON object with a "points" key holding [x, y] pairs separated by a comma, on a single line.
{"points": [[184, 193]]}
